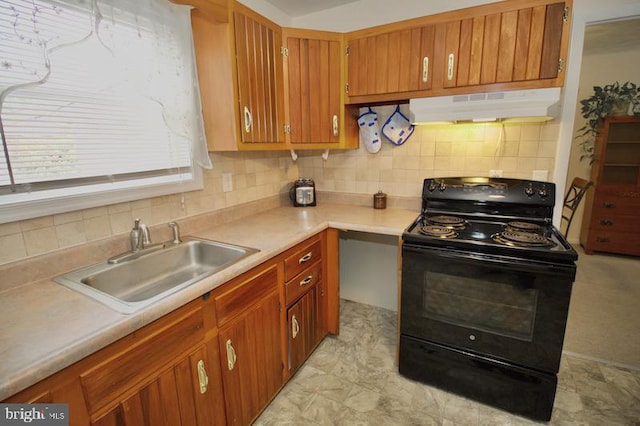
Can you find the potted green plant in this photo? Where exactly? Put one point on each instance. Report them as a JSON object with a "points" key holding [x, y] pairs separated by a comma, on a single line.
{"points": [[610, 100]]}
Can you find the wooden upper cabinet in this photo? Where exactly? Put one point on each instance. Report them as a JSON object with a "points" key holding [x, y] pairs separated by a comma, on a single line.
{"points": [[240, 77], [312, 74], [391, 62], [513, 44], [259, 68]]}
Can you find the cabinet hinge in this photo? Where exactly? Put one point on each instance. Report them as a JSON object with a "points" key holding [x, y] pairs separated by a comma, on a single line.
{"points": [[284, 51], [287, 129], [560, 65], [346, 50], [346, 88], [565, 15]]}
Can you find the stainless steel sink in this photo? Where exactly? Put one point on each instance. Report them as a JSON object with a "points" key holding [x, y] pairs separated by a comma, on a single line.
{"points": [[134, 284]]}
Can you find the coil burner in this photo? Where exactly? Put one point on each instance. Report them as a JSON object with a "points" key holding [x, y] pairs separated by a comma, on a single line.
{"points": [[523, 239], [438, 231], [518, 226], [451, 222]]}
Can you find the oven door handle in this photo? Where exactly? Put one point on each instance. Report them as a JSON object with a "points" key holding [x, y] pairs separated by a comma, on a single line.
{"points": [[502, 261]]}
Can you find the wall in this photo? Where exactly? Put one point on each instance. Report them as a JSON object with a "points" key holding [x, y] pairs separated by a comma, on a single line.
{"points": [[436, 150], [255, 176], [597, 71]]}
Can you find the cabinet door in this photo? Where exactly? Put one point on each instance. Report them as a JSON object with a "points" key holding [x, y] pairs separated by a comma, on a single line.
{"points": [[187, 393], [302, 324], [393, 62], [259, 69], [312, 73], [251, 360], [503, 47]]}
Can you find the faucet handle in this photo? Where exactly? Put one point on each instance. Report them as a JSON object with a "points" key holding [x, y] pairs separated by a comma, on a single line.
{"points": [[176, 232]]}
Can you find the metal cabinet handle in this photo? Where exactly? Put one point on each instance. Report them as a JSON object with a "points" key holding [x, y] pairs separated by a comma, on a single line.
{"points": [[248, 120], [608, 205], [305, 258], [606, 222], [231, 355], [450, 64], [425, 69], [602, 240], [335, 125], [203, 379], [306, 281], [295, 327]]}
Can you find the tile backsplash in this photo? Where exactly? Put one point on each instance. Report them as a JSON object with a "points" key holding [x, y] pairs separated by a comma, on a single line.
{"points": [[441, 150], [436, 150]]}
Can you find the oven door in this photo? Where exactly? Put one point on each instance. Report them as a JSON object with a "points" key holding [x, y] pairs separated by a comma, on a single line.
{"points": [[510, 309]]}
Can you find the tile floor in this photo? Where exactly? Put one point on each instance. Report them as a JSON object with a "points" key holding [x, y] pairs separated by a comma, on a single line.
{"points": [[352, 380]]}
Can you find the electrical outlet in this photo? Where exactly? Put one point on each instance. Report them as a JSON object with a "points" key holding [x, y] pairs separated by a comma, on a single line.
{"points": [[227, 182], [495, 173], [541, 175]]}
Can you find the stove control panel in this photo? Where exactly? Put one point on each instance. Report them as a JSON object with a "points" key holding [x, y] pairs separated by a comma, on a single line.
{"points": [[483, 189]]}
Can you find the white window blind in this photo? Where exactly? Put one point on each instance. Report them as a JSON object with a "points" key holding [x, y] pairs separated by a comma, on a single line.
{"points": [[95, 97]]}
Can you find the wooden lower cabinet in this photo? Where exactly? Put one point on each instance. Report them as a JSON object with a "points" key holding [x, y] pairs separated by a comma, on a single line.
{"points": [[252, 372], [302, 321], [186, 393]]}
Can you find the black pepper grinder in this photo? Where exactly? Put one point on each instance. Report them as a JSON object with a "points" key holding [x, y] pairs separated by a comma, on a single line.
{"points": [[380, 200]]}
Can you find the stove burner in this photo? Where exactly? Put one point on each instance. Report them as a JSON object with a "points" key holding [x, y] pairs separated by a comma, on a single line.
{"points": [[438, 231], [451, 222], [518, 226], [523, 239]]}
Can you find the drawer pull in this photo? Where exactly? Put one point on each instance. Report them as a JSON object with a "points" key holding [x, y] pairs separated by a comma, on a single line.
{"points": [[425, 69], [602, 240], [231, 355], [606, 222], [295, 327], [450, 64], [307, 257], [248, 120], [306, 281], [335, 126], [203, 379], [608, 205]]}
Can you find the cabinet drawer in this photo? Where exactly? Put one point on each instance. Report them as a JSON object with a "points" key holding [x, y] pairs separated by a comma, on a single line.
{"points": [[614, 242], [610, 222], [106, 382], [301, 259], [243, 293], [607, 204], [302, 282]]}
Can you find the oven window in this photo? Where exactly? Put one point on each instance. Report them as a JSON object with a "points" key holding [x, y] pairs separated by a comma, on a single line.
{"points": [[497, 302]]}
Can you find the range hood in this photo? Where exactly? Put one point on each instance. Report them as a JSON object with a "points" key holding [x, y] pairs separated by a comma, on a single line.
{"points": [[514, 105]]}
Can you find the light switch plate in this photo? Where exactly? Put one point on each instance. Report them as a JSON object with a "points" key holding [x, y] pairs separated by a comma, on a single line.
{"points": [[227, 182]]}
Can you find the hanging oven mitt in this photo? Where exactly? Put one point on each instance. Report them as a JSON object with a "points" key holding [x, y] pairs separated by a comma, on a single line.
{"points": [[397, 128], [369, 131]]}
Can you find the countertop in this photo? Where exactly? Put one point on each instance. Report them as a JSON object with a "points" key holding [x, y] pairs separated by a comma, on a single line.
{"points": [[45, 327]]}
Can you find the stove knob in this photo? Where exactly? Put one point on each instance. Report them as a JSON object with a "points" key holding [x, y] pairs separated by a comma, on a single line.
{"points": [[529, 191], [442, 187], [543, 192], [432, 186]]}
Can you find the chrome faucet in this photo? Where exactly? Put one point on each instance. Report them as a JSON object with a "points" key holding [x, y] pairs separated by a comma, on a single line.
{"points": [[140, 238], [176, 232]]}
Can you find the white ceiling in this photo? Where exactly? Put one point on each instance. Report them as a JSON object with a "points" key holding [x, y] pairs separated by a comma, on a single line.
{"points": [[296, 8]]}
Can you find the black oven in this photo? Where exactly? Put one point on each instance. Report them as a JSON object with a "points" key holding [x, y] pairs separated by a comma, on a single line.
{"points": [[485, 292], [513, 310]]}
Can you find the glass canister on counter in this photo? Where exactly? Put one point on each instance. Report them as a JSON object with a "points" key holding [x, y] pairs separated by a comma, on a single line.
{"points": [[380, 200]]}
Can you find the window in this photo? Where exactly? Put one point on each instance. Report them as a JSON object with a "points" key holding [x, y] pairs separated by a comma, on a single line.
{"points": [[98, 104]]}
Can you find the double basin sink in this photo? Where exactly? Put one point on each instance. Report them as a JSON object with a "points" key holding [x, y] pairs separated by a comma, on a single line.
{"points": [[134, 284]]}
